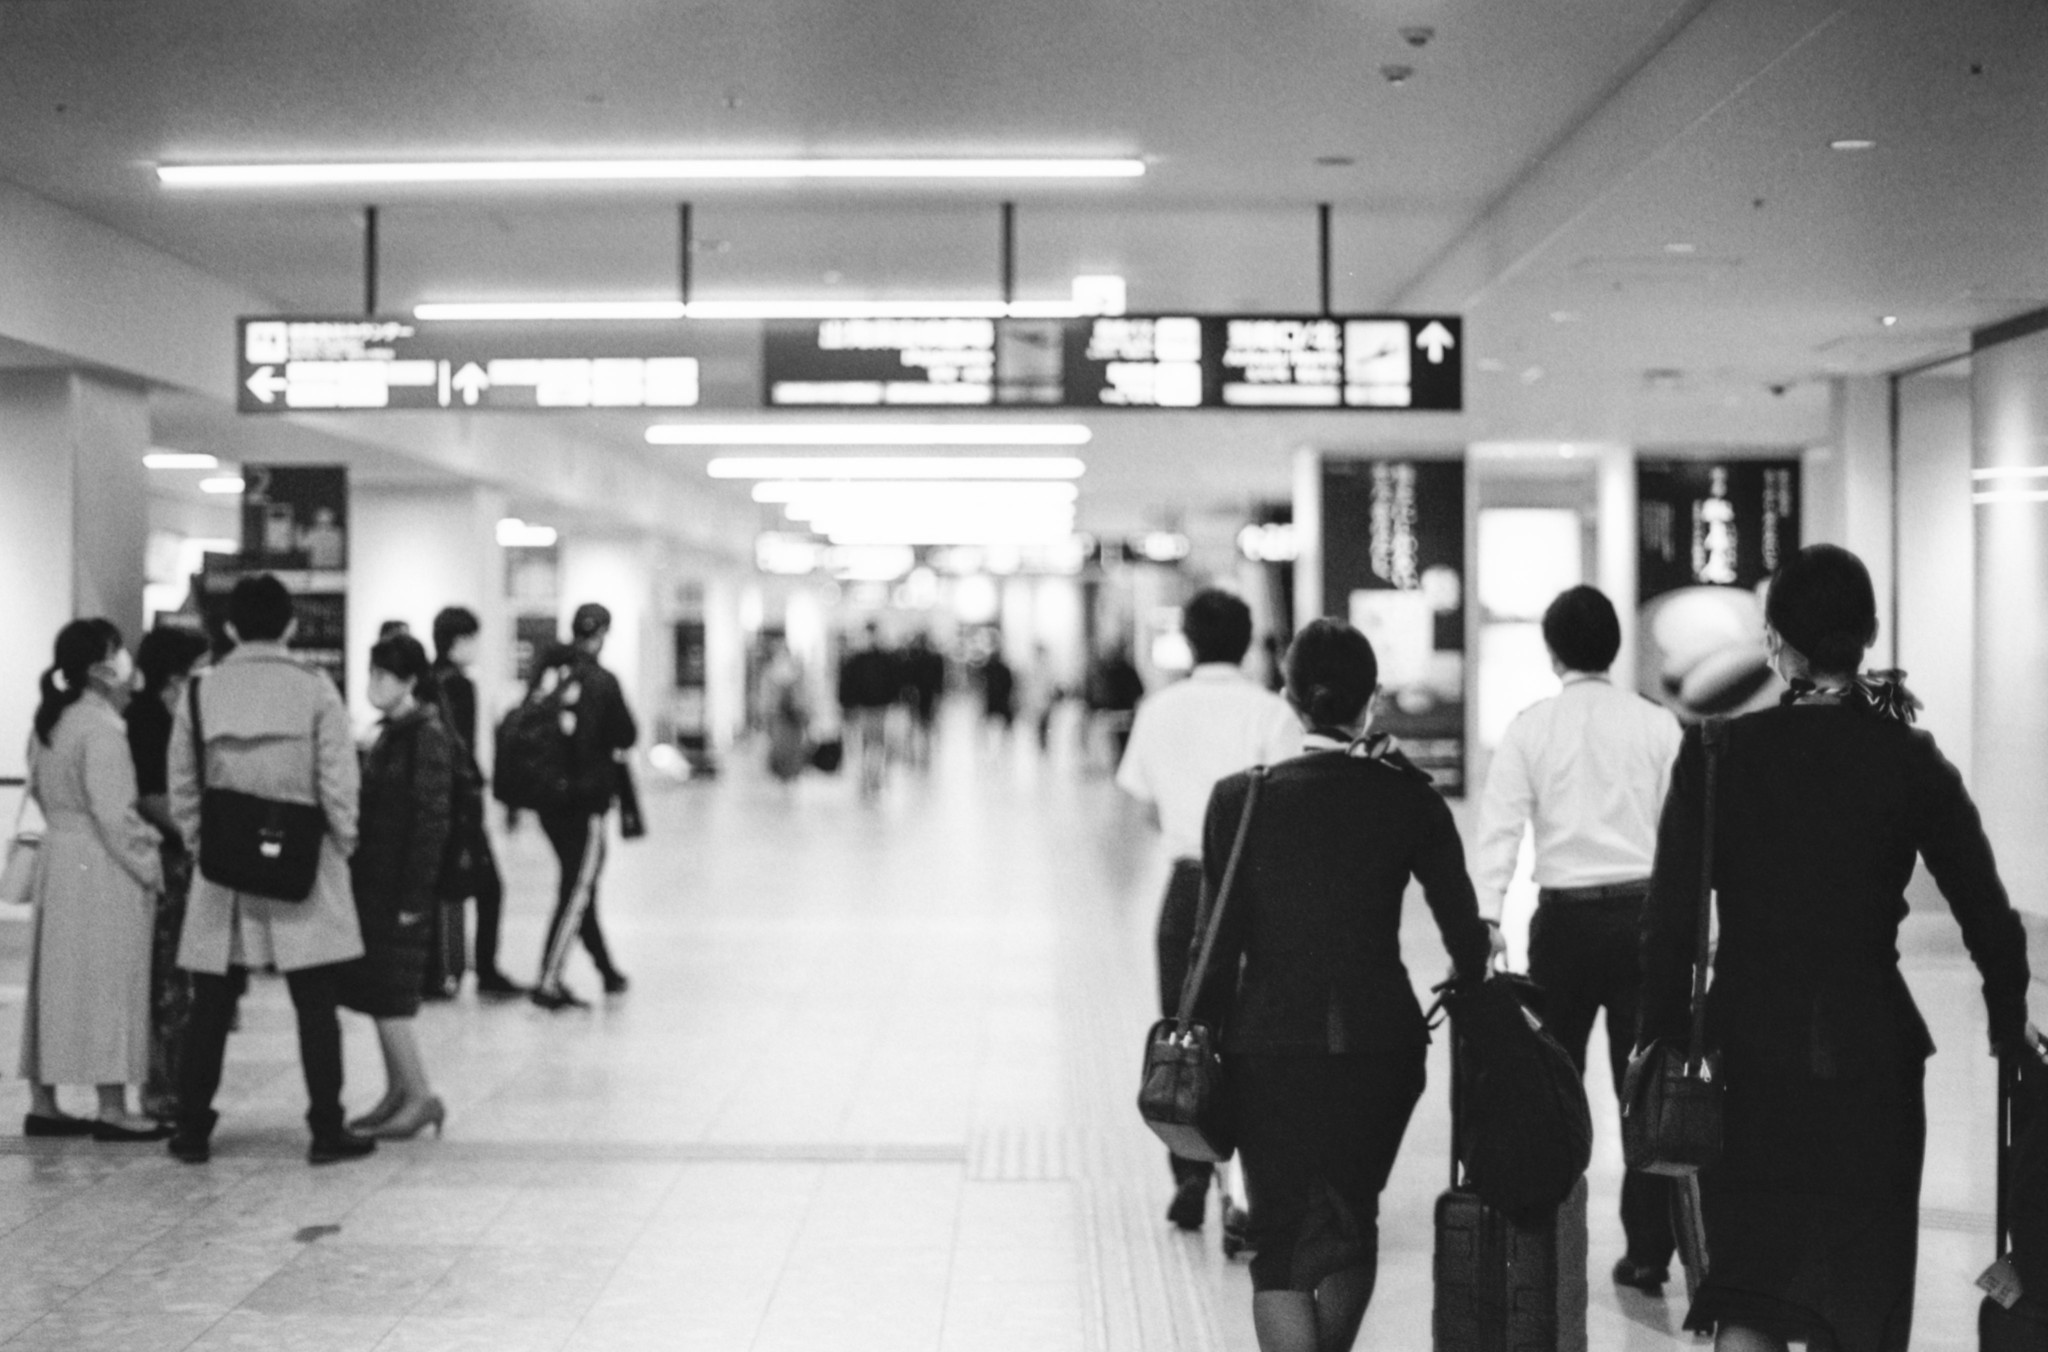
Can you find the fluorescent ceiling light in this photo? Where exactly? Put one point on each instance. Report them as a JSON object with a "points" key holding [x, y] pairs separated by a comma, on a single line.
{"points": [[226, 483], [2012, 472], [516, 534], [518, 310], [883, 491], [180, 460], [865, 434], [628, 171], [1852, 143], [2011, 495]]}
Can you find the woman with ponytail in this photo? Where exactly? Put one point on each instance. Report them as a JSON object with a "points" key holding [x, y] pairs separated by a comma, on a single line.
{"points": [[1824, 805], [87, 1014], [1323, 1040]]}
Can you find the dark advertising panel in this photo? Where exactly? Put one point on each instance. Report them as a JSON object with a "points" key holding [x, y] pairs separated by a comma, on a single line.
{"points": [[1378, 362], [294, 526], [1393, 565], [1709, 535]]}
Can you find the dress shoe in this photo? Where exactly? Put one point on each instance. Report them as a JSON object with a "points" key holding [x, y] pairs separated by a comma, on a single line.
{"points": [[557, 997], [411, 1119], [1641, 1276], [498, 986], [377, 1116], [189, 1147], [38, 1124], [1190, 1204], [615, 983], [336, 1146], [114, 1132]]}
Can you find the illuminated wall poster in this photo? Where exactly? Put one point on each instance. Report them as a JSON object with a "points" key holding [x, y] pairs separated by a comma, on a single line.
{"points": [[1709, 535], [1393, 543]]}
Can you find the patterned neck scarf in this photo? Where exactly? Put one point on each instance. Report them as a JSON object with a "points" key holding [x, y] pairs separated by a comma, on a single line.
{"points": [[1882, 693]]}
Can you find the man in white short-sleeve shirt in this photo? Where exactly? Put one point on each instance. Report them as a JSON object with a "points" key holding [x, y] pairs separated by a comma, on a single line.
{"points": [[1186, 737], [1587, 769]]}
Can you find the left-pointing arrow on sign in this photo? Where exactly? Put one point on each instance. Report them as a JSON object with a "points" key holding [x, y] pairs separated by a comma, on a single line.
{"points": [[1433, 339], [472, 381], [267, 384]]}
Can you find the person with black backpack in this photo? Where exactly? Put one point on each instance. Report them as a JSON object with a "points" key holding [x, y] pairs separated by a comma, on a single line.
{"points": [[559, 754]]}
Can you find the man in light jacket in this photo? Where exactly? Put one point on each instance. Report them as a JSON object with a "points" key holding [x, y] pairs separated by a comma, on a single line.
{"points": [[276, 728]]}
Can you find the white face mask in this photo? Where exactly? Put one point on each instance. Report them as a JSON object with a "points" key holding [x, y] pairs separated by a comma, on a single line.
{"points": [[119, 670]]}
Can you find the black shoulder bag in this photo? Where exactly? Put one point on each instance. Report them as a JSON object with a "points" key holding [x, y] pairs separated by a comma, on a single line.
{"points": [[1671, 1098], [1180, 1094], [263, 846]]}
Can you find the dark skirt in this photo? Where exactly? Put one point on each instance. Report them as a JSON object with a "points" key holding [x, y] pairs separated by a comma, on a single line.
{"points": [[385, 982], [1317, 1137], [1813, 1214]]}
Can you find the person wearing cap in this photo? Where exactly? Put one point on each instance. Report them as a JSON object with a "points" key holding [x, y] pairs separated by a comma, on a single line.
{"points": [[600, 729], [1184, 739], [1587, 768]]}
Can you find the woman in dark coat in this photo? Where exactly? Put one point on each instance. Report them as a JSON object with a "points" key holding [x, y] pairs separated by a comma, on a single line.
{"points": [[1823, 804], [408, 785], [1323, 1038]]}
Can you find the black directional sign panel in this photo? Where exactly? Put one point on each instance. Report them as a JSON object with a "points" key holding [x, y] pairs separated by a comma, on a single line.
{"points": [[1364, 362], [291, 364]]}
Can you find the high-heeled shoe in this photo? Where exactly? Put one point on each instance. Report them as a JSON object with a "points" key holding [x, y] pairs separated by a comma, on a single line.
{"points": [[411, 1119], [392, 1101]]}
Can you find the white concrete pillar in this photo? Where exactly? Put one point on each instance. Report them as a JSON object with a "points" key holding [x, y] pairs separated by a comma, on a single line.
{"points": [[1850, 500], [1616, 548], [413, 551], [74, 524]]}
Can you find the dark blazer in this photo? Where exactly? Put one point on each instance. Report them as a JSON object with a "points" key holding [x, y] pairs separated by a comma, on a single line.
{"points": [[458, 698], [1822, 810], [1316, 913], [408, 784]]}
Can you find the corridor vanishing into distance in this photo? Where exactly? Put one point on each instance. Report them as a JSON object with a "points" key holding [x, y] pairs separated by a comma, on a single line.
{"points": [[871, 1089]]}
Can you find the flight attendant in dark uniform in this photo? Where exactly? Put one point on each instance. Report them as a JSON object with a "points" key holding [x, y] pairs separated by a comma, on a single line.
{"points": [[1323, 1039], [1823, 806]]}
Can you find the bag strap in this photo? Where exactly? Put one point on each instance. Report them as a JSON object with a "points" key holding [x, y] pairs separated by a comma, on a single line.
{"points": [[1192, 983], [198, 730], [1713, 738]]}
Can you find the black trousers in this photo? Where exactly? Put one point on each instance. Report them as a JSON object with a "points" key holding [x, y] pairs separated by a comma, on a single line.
{"points": [[1585, 954], [490, 908], [315, 991], [1178, 913], [578, 840]]}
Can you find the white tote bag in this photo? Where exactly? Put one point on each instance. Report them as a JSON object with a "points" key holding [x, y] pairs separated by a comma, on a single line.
{"points": [[24, 846]]}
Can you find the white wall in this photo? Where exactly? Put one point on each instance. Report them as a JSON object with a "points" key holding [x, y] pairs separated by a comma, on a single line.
{"points": [[1936, 637]]}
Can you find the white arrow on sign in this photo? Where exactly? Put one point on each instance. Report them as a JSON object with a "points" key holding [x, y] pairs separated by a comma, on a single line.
{"points": [[267, 384], [1433, 339], [472, 381]]}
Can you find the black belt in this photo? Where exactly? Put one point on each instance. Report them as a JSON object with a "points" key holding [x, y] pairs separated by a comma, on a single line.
{"points": [[1629, 891]]}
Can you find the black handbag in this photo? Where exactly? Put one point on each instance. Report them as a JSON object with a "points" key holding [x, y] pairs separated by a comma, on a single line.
{"points": [[263, 846], [1671, 1097], [1180, 1093]]}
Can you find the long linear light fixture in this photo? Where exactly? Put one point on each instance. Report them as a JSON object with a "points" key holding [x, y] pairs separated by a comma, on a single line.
{"points": [[928, 468], [630, 171], [865, 434], [495, 311]]}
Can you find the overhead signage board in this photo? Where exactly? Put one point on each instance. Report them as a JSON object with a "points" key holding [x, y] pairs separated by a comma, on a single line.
{"points": [[1409, 363], [290, 364]]}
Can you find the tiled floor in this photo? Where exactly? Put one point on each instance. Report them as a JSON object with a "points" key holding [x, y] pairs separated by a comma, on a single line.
{"points": [[870, 1090]]}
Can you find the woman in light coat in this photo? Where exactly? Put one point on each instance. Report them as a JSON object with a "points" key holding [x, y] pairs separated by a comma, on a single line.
{"points": [[87, 1017]]}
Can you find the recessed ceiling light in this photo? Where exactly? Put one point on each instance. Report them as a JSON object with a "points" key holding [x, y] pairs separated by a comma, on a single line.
{"points": [[1015, 468], [869, 434], [180, 460], [226, 483], [514, 533], [624, 171], [1681, 248], [1852, 143], [1889, 321]]}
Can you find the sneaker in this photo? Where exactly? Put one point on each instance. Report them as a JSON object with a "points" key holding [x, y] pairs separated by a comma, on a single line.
{"points": [[1641, 1276], [339, 1145], [615, 983], [189, 1148], [1190, 1204], [498, 986], [557, 997]]}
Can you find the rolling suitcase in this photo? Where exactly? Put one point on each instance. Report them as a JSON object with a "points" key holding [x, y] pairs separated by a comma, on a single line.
{"points": [[1504, 1285], [2010, 1319]]}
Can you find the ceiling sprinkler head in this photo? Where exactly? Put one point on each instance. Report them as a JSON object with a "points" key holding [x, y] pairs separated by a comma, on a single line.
{"points": [[1417, 35], [1397, 75]]}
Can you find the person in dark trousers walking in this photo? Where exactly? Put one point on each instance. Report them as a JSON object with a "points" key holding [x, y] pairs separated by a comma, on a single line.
{"points": [[1823, 806], [455, 640], [870, 679], [273, 727], [600, 729], [1324, 1042], [1588, 769]]}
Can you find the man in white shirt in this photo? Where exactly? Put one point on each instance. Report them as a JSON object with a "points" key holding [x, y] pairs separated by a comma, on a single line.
{"points": [[1587, 769], [1184, 739]]}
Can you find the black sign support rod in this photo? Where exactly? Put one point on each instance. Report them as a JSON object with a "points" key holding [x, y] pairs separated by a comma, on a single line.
{"points": [[1323, 254], [687, 248], [1009, 252], [369, 260]]}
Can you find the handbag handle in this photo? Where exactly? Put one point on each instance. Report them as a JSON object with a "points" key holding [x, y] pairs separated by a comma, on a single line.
{"points": [[1713, 737], [1192, 983]]}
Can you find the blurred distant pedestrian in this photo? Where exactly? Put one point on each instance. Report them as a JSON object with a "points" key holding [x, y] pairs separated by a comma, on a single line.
{"points": [[924, 684], [786, 714], [998, 693], [869, 681]]}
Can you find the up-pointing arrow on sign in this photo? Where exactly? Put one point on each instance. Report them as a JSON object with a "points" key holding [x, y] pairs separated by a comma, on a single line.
{"points": [[1433, 339], [267, 384], [472, 381]]}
